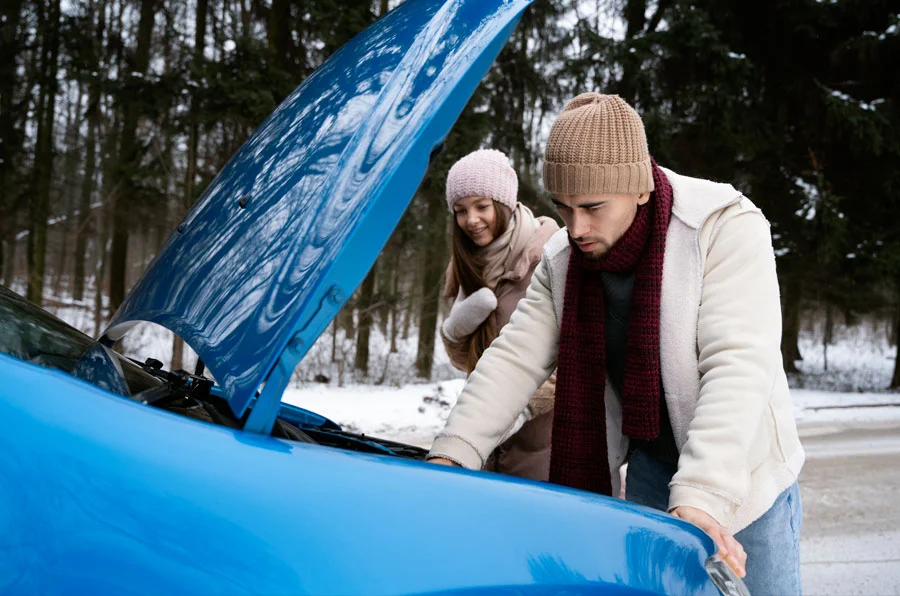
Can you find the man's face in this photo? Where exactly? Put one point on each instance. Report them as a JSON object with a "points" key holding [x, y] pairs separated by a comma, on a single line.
{"points": [[597, 222]]}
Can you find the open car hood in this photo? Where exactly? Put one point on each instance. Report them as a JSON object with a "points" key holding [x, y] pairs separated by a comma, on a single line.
{"points": [[290, 227]]}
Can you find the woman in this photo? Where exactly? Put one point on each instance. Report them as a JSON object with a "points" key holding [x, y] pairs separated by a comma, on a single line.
{"points": [[495, 246]]}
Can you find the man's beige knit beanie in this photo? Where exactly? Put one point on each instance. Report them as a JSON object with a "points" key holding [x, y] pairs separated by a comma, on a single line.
{"points": [[597, 145]]}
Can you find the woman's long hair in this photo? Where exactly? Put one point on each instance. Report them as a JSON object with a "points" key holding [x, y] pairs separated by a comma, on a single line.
{"points": [[467, 269]]}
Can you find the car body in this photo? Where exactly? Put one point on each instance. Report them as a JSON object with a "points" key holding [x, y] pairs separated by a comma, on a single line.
{"points": [[119, 477]]}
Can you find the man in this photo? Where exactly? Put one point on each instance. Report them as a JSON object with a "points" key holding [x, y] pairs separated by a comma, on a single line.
{"points": [[659, 304]]}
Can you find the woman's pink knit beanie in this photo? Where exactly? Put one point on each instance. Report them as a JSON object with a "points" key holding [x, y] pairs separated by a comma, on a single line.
{"points": [[483, 173]]}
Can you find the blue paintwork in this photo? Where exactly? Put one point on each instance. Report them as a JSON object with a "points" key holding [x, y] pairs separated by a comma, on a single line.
{"points": [[328, 176], [103, 495]]}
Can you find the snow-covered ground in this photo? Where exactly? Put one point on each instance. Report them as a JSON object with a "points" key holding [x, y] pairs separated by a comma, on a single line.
{"points": [[860, 358], [414, 413], [411, 414]]}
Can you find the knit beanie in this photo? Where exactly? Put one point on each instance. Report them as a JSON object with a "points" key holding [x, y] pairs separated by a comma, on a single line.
{"points": [[597, 145], [483, 173]]}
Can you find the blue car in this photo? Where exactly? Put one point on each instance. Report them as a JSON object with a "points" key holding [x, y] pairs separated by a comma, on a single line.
{"points": [[119, 477]]}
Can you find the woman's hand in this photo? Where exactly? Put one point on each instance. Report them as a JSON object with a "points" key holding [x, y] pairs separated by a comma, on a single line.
{"points": [[467, 313], [443, 461], [730, 549]]}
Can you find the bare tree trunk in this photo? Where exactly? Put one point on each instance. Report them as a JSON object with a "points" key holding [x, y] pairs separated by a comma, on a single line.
{"points": [[828, 333], [87, 189], [345, 318], [282, 49], [790, 337], [9, 269], [395, 298], [177, 353], [10, 133], [124, 183], [895, 379], [434, 255], [194, 116], [635, 16], [43, 156], [334, 332], [411, 300], [364, 308], [385, 296], [70, 175], [100, 269]]}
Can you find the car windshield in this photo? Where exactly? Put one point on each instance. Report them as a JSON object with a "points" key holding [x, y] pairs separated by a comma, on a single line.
{"points": [[30, 333]]}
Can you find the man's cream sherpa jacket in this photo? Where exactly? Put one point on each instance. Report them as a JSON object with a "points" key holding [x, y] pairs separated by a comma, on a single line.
{"points": [[720, 329]]}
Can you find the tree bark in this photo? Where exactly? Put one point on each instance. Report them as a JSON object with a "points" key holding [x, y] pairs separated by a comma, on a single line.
{"points": [[365, 310], [409, 311], [123, 177], [9, 270], [827, 333], [194, 115], [895, 379], [434, 255], [87, 190], [10, 132], [43, 155], [177, 353], [635, 16], [345, 318], [9, 257], [790, 337], [395, 299], [69, 227], [100, 269], [281, 45]]}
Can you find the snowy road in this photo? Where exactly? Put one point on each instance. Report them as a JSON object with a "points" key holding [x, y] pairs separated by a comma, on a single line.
{"points": [[851, 500]]}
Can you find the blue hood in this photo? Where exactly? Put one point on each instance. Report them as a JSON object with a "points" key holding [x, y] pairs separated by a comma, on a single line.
{"points": [[290, 227]]}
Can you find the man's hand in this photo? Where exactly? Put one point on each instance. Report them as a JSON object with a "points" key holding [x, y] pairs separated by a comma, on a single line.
{"points": [[730, 549], [443, 461]]}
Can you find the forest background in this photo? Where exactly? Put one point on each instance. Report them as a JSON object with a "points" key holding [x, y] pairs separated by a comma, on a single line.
{"points": [[116, 114]]}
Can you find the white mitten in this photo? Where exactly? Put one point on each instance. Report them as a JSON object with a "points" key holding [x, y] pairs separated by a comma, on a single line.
{"points": [[467, 313]]}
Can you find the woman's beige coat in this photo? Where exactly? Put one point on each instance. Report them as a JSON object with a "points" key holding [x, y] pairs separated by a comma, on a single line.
{"points": [[526, 453], [720, 330]]}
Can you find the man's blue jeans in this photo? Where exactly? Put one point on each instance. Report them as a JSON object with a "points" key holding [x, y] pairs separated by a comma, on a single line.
{"points": [[772, 542]]}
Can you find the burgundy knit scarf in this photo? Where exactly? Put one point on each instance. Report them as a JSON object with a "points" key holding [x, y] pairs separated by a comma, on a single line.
{"points": [[578, 450]]}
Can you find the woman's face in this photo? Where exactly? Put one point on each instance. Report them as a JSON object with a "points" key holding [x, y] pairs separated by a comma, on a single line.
{"points": [[477, 218]]}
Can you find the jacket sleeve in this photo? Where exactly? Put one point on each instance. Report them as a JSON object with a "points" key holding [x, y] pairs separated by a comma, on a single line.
{"points": [[457, 351], [506, 377], [738, 337]]}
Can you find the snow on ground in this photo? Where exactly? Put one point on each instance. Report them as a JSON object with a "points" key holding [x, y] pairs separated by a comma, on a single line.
{"points": [[823, 408], [860, 359], [411, 414], [415, 413]]}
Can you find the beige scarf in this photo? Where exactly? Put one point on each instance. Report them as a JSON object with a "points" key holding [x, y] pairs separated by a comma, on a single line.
{"points": [[504, 254]]}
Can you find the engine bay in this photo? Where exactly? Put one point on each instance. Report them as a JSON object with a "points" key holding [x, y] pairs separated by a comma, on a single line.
{"points": [[192, 396]]}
